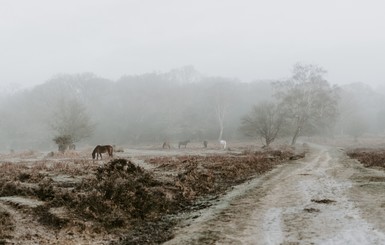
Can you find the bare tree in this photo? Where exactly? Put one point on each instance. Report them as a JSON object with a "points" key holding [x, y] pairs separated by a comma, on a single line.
{"points": [[264, 120], [220, 110], [308, 99], [222, 96], [71, 124]]}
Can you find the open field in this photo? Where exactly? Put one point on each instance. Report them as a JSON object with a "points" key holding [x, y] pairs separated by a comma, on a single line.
{"points": [[148, 195], [137, 197]]}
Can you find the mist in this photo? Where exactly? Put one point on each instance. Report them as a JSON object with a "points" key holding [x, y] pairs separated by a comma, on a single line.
{"points": [[155, 107], [247, 40], [149, 71], [152, 107]]}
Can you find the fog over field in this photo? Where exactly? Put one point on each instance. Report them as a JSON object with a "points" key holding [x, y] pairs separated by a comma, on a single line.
{"points": [[242, 39], [192, 122], [153, 71]]}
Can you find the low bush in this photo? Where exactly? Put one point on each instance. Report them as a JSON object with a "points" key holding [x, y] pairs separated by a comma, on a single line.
{"points": [[369, 157]]}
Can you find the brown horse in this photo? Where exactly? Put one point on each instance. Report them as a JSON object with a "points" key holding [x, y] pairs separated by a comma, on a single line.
{"points": [[99, 149]]}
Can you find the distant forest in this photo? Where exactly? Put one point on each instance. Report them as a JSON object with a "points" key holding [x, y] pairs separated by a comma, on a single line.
{"points": [[154, 107]]}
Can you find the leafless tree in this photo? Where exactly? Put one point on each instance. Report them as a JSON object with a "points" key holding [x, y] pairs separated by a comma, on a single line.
{"points": [[308, 99], [264, 120], [222, 96], [71, 123]]}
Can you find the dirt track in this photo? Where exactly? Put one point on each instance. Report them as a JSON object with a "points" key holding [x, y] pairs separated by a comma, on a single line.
{"points": [[325, 198]]}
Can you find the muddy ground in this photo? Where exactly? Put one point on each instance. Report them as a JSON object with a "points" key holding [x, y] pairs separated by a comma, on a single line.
{"points": [[150, 195]]}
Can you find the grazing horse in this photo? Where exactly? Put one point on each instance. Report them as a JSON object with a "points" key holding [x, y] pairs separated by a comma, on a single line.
{"points": [[223, 144], [99, 149], [166, 145], [183, 143]]}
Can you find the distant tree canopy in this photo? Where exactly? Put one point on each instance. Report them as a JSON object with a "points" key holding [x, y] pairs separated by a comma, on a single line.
{"points": [[356, 127], [71, 123], [178, 105], [362, 111], [308, 99], [158, 107]]}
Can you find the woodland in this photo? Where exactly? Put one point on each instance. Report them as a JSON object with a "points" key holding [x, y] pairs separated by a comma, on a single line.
{"points": [[156, 107]]}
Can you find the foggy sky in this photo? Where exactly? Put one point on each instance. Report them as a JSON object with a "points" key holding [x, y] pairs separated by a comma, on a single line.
{"points": [[242, 39]]}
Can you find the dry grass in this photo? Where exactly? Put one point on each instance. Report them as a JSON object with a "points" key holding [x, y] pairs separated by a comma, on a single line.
{"points": [[6, 225], [369, 157], [122, 198]]}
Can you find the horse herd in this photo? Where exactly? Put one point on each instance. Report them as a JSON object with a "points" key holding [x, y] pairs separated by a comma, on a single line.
{"points": [[166, 144], [99, 149]]}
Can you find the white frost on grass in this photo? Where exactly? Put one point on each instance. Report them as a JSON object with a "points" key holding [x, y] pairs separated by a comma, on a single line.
{"points": [[22, 201], [357, 233]]}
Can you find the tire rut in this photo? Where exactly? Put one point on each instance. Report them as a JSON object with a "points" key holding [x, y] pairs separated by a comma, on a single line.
{"points": [[25, 231], [306, 202]]}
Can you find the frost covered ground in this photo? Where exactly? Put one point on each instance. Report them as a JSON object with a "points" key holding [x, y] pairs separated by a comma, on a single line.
{"points": [[324, 198]]}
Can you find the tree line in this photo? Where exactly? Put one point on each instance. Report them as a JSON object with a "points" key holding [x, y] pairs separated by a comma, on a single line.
{"points": [[183, 104]]}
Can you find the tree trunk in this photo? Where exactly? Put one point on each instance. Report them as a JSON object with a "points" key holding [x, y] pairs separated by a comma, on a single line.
{"points": [[295, 137], [268, 141], [221, 115], [62, 147], [220, 133]]}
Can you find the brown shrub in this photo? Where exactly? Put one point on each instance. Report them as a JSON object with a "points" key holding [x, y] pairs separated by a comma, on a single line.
{"points": [[119, 193], [369, 157], [6, 225]]}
